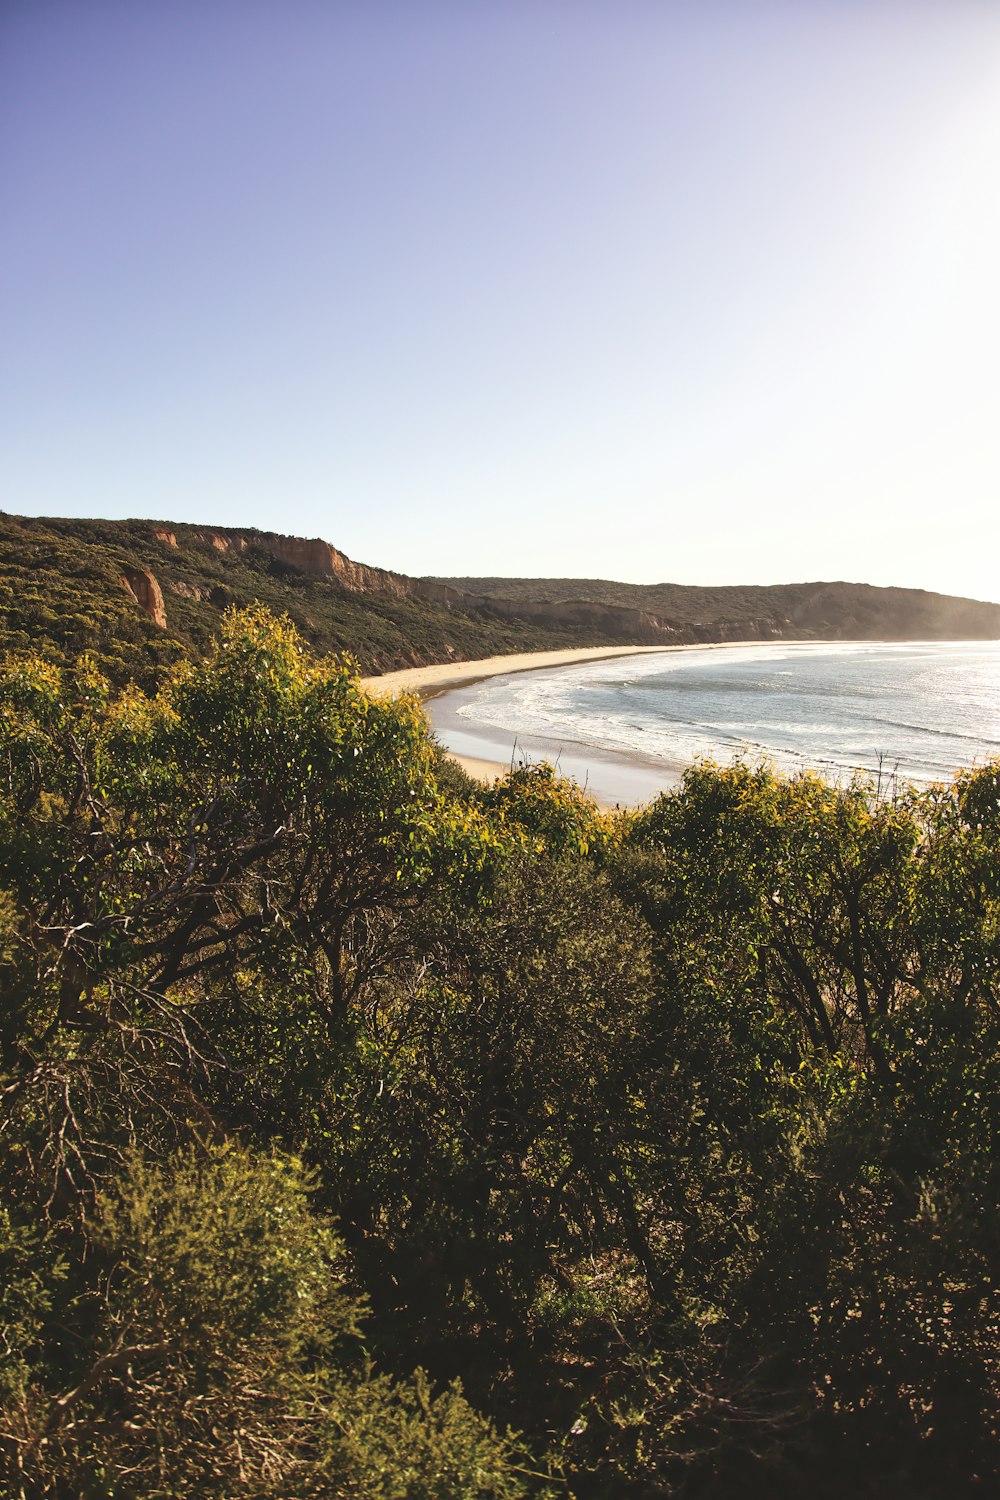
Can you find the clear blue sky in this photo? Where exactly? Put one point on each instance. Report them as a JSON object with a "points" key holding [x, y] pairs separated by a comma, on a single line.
{"points": [[644, 289]]}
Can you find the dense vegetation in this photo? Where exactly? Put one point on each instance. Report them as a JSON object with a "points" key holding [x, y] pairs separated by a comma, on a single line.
{"points": [[367, 1133]]}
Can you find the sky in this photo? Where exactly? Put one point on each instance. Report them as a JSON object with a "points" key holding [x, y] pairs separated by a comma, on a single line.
{"points": [[701, 291]]}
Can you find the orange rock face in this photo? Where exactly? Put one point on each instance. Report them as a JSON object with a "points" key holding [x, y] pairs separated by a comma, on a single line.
{"points": [[165, 536], [147, 593], [234, 542], [318, 557]]}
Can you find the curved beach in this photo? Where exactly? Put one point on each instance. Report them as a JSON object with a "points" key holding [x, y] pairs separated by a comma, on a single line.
{"points": [[613, 779], [450, 674]]}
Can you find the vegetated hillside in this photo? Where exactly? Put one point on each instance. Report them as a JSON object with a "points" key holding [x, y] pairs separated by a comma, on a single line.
{"points": [[838, 611], [141, 595]]}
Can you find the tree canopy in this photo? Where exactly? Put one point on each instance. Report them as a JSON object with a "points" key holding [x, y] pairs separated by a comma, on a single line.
{"points": [[365, 1132]]}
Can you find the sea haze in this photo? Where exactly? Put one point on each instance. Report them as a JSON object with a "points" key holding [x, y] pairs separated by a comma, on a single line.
{"points": [[921, 710]]}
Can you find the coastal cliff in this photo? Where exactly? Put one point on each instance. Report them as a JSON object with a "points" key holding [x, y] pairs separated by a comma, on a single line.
{"points": [[141, 595]]}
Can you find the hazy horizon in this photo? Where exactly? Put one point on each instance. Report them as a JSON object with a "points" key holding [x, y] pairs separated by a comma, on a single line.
{"points": [[699, 293]]}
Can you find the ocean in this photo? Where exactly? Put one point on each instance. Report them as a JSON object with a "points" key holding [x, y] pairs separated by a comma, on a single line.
{"points": [[628, 726]]}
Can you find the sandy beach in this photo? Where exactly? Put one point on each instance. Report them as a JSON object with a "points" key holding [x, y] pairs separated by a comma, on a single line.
{"points": [[632, 781], [429, 680]]}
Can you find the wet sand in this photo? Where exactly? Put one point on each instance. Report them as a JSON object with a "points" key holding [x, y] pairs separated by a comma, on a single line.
{"points": [[614, 779]]}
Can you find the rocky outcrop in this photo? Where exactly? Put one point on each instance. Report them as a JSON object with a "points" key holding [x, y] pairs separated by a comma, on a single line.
{"points": [[147, 593], [323, 560], [320, 558], [232, 543], [310, 555], [226, 542], [168, 537], [209, 593]]}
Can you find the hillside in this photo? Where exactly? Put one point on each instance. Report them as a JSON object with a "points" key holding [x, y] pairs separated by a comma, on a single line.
{"points": [[848, 611], [141, 595]]}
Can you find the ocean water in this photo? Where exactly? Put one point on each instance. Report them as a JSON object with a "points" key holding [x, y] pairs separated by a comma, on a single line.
{"points": [[917, 710]]}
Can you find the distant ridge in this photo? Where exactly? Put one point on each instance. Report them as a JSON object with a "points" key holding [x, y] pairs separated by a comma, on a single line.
{"points": [[141, 595], [840, 611]]}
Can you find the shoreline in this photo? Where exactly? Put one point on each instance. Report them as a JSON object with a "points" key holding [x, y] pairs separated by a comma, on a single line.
{"points": [[613, 779], [441, 677], [429, 682]]}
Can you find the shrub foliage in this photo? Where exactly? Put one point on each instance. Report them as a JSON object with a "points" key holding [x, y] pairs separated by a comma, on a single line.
{"points": [[364, 1133]]}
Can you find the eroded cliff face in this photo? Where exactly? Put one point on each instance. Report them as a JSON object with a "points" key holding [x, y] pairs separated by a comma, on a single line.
{"points": [[146, 592], [308, 554], [211, 593], [231, 541], [320, 558]]}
